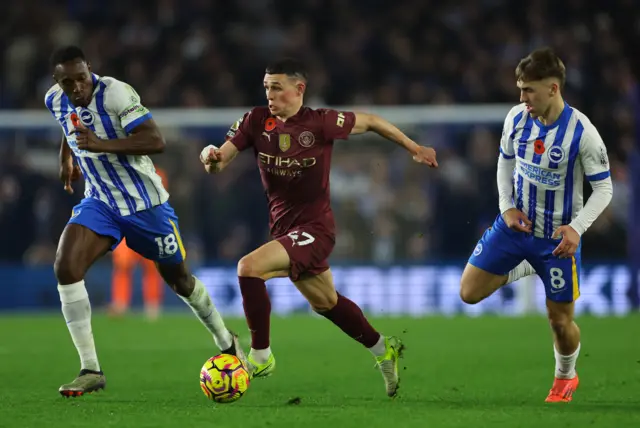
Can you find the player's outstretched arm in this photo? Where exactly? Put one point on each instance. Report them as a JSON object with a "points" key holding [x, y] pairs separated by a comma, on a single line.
{"points": [[366, 122], [144, 139], [216, 159]]}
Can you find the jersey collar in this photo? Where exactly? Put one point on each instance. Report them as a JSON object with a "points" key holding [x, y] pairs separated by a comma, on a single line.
{"points": [[563, 118], [293, 118]]}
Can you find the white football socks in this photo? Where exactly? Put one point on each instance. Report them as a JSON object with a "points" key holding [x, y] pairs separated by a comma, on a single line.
{"points": [[566, 364], [77, 312], [380, 348], [200, 303], [260, 356], [520, 271]]}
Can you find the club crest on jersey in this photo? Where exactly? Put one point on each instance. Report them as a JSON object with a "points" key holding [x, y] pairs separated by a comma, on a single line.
{"points": [[284, 142], [538, 147], [306, 139], [556, 154], [478, 250], [86, 117]]}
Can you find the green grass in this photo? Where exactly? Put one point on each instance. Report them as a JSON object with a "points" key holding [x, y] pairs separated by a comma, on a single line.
{"points": [[458, 372]]}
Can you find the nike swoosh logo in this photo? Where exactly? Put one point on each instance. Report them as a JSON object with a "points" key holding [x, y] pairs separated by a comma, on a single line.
{"points": [[263, 369]]}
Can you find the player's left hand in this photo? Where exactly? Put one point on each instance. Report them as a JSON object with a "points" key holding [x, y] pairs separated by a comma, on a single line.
{"points": [[87, 140], [426, 155], [569, 244]]}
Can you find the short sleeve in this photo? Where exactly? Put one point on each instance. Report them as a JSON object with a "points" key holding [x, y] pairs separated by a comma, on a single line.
{"points": [[125, 102], [337, 125], [48, 101], [506, 141], [593, 155], [240, 133]]}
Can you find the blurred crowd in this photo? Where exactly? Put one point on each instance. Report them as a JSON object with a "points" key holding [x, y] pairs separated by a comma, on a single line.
{"points": [[210, 53]]}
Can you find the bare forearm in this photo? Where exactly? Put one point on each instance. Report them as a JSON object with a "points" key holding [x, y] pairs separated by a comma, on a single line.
{"points": [[135, 144], [389, 131], [65, 151]]}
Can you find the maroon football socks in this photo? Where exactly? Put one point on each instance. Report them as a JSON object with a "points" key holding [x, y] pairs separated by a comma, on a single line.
{"points": [[349, 317], [257, 310]]}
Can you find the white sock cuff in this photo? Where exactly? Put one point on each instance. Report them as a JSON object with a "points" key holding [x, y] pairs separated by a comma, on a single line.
{"points": [[576, 352], [196, 294], [72, 292], [380, 348], [522, 270]]}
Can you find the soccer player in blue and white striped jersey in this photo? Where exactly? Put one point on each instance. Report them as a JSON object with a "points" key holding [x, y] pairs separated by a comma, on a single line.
{"points": [[107, 136], [546, 150]]}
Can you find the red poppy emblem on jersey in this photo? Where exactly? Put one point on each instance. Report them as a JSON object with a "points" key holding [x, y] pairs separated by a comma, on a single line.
{"points": [[75, 119], [538, 147], [270, 124]]}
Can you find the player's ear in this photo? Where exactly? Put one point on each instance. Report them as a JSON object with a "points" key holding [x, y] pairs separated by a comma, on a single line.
{"points": [[554, 89], [301, 87], [89, 66]]}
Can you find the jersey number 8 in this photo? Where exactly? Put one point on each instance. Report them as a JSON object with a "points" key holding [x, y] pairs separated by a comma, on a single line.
{"points": [[557, 281]]}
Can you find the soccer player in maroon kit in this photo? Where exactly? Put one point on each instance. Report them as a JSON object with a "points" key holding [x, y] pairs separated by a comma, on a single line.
{"points": [[292, 144]]}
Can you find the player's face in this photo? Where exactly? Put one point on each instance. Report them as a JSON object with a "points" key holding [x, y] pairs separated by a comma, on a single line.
{"points": [[74, 77], [537, 95], [283, 93]]}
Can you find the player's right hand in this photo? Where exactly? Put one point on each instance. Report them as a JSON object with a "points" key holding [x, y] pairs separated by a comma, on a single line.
{"points": [[210, 155], [69, 171], [517, 220]]}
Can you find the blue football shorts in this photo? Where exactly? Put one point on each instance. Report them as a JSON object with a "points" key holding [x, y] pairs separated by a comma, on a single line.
{"points": [[152, 233], [501, 249]]}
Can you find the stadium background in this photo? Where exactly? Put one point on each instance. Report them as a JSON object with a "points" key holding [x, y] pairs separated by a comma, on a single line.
{"points": [[441, 70], [424, 63]]}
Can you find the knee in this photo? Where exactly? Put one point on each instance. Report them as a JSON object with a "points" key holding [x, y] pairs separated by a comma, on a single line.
{"points": [[248, 267], [560, 324], [323, 303], [476, 284], [468, 293], [68, 270]]}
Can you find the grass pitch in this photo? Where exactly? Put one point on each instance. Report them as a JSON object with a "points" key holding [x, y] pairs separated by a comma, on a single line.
{"points": [[457, 372]]}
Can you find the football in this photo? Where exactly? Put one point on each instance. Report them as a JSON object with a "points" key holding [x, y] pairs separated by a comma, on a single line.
{"points": [[224, 379]]}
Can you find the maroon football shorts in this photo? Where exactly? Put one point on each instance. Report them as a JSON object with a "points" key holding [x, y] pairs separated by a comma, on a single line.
{"points": [[309, 248]]}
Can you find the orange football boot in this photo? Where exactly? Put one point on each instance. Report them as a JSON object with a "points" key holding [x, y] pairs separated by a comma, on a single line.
{"points": [[562, 390]]}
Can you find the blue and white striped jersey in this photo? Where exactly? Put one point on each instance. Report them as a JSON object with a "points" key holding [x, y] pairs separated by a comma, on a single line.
{"points": [[127, 184], [551, 162]]}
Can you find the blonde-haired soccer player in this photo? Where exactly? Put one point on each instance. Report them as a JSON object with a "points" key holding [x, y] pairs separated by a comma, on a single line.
{"points": [[546, 150]]}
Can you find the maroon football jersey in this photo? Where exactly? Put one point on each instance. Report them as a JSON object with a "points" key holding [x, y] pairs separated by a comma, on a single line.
{"points": [[294, 158]]}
